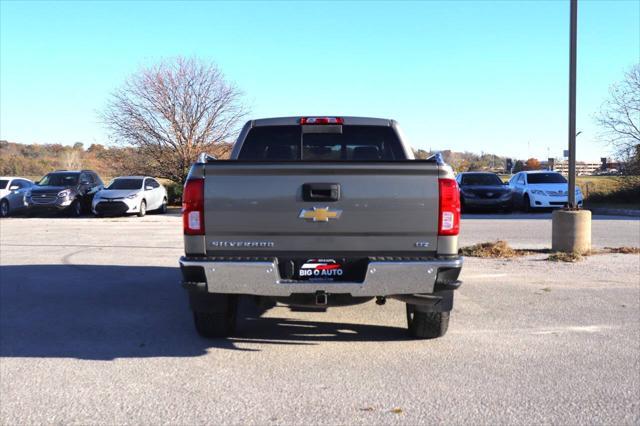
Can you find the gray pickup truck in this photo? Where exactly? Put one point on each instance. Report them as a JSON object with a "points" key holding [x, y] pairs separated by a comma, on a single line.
{"points": [[321, 211]]}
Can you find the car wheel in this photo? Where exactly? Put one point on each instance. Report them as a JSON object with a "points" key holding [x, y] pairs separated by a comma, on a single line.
{"points": [[163, 207], [143, 209], [76, 209], [526, 204], [218, 322], [5, 210], [426, 325]]}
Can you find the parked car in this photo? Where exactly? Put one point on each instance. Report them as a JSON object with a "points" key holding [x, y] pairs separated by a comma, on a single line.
{"points": [[541, 189], [13, 192], [483, 190], [130, 194], [68, 191], [321, 211]]}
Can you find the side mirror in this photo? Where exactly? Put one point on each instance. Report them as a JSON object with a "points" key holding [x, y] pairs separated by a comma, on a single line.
{"points": [[84, 182], [148, 188], [14, 188]]}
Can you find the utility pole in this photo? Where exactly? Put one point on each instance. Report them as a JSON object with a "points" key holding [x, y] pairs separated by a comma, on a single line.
{"points": [[572, 103], [571, 228]]}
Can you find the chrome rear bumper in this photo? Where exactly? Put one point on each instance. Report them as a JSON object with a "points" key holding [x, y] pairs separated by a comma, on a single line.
{"points": [[262, 278]]}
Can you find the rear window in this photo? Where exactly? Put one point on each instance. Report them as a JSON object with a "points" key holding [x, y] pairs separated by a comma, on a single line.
{"points": [[289, 143], [481, 179], [545, 178]]}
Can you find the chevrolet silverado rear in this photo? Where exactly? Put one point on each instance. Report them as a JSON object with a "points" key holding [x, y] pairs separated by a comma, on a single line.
{"points": [[321, 211]]}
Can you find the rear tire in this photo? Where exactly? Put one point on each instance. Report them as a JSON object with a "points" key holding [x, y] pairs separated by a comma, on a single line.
{"points": [[142, 210], [426, 325], [5, 209], [220, 322]]}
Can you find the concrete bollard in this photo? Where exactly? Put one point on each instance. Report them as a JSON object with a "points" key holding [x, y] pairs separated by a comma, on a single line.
{"points": [[571, 231]]}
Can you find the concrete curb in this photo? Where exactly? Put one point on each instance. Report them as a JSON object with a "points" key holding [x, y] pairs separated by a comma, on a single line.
{"points": [[616, 212]]}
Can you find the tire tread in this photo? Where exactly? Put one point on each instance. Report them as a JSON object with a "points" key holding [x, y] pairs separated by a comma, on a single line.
{"points": [[427, 325]]}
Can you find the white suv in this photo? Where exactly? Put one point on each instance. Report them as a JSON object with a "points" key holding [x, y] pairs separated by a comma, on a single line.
{"points": [[541, 189]]}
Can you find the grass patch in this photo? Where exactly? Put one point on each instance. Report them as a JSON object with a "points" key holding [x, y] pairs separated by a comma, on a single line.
{"points": [[607, 191], [623, 250], [576, 257], [501, 250], [564, 257], [496, 250]]}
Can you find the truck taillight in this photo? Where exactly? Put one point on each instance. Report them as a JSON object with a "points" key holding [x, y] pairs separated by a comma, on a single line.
{"points": [[449, 212], [321, 120], [193, 207]]}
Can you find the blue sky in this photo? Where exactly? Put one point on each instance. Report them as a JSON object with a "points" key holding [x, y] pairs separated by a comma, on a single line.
{"points": [[461, 75]]}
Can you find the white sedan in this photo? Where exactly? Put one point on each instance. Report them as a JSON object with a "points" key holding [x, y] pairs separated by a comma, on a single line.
{"points": [[541, 189], [13, 191], [130, 194]]}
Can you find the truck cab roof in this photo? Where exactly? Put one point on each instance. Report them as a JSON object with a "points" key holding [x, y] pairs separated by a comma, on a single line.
{"points": [[353, 121]]}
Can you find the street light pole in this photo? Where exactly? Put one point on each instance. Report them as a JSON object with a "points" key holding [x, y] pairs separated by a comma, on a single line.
{"points": [[572, 103], [571, 228]]}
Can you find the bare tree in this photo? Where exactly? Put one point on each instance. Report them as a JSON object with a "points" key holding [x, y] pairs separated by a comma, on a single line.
{"points": [[620, 118], [72, 160], [173, 111]]}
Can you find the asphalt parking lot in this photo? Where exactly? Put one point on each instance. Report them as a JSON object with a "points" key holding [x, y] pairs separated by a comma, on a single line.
{"points": [[94, 328]]}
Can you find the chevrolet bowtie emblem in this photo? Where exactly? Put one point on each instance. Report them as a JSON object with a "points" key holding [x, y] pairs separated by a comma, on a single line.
{"points": [[319, 214]]}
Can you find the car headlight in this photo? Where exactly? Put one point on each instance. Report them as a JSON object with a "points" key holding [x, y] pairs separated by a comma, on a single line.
{"points": [[537, 192], [468, 194], [64, 193], [505, 195], [28, 194], [132, 196]]}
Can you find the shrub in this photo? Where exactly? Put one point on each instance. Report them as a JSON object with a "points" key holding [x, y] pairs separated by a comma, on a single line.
{"points": [[174, 193]]}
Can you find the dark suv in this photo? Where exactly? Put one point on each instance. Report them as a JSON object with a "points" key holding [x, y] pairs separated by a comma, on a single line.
{"points": [[65, 190]]}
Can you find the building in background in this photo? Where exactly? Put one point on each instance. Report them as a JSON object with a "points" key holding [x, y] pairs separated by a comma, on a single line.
{"points": [[605, 166]]}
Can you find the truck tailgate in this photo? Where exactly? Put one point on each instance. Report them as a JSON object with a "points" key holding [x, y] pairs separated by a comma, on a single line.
{"points": [[384, 208]]}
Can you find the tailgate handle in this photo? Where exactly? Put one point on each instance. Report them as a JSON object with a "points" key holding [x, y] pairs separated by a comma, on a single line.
{"points": [[321, 191]]}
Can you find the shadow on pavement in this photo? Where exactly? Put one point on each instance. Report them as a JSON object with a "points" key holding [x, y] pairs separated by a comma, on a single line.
{"points": [[106, 312]]}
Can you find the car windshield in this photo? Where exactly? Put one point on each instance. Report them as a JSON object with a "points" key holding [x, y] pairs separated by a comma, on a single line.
{"points": [[125, 184], [3, 183], [59, 179], [481, 179], [545, 178]]}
